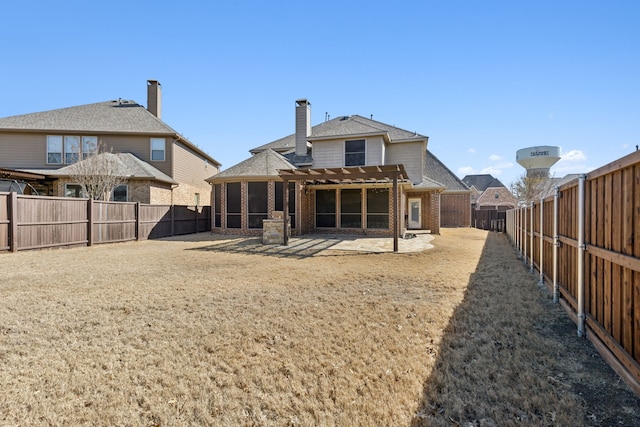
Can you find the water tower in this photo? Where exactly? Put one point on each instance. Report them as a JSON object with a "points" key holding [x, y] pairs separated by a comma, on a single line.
{"points": [[538, 160]]}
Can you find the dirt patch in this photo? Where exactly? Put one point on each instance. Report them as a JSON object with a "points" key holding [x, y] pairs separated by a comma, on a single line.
{"points": [[202, 330]]}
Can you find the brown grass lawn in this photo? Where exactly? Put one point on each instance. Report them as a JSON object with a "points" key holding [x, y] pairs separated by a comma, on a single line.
{"points": [[199, 331]]}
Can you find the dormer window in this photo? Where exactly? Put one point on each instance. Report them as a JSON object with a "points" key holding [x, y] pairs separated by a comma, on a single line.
{"points": [[354, 153]]}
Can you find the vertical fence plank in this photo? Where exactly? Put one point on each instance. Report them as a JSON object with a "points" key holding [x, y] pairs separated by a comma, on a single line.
{"points": [[13, 224]]}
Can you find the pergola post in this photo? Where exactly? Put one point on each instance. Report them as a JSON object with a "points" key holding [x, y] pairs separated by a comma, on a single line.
{"points": [[285, 210], [397, 215]]}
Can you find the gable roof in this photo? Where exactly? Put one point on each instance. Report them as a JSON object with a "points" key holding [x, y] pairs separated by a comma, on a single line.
{"points": [[126, 164], [435, 170], [482, 182], [344, 125], [119, 116], [497, 196], [266, 163]]}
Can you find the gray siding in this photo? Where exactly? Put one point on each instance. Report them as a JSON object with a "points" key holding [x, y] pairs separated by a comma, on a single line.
{"points": [[409, 154], [328, 154]]}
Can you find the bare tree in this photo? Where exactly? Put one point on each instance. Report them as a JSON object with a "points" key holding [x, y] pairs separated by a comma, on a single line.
{"points": [[99, 172], [531, 188]]}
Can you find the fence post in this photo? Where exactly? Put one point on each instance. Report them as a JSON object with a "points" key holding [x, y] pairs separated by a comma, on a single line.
{"points": [[556, 243], [581, 249], [531, 239], [197, 220], [137, 214], [13, 222], [89, 222], [541, 260]]}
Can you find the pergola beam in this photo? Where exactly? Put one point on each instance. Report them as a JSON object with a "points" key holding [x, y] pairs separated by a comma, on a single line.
{"points": [[346, 175]]}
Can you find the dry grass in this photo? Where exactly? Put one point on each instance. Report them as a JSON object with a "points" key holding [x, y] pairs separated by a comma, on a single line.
{"points": [[179, 332]]}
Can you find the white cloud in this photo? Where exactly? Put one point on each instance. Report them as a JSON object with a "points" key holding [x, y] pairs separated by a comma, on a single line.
{"points": [[466, 170], [574, 161], [471, 151], [495, 158], [505, 165], [573, 156], [491, 170]]}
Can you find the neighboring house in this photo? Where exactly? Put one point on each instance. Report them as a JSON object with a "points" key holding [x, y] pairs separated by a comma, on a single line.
{"points": [[340, 177], [162, 166], [489, 193]]}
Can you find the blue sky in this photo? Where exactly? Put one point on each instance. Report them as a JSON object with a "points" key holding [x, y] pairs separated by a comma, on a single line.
{"points": [[481, 78]]}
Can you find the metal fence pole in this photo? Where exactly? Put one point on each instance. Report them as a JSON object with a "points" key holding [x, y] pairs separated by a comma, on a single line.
{"points": [[531, 239], [581, 249], [541, 260], [556, 243]]}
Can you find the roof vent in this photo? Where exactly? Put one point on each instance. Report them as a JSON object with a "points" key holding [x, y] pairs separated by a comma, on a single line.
{"points": [[345, 118]]}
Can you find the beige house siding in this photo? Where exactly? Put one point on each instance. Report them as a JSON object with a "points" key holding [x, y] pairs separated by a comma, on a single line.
{"points": [[29, 150], [190, 168], [24, 150], [328, 154], [140, 146], [375, 151], [409, 154]]}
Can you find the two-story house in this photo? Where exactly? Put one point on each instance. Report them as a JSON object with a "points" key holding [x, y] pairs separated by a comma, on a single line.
{"points": [[350, 174], [160, 165]]}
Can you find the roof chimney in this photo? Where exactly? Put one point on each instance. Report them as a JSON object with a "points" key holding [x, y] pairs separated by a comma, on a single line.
{"points": [[154, 98], [303, 126]]}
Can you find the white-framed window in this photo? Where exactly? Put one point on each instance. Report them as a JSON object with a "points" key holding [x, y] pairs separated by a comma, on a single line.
{"points": [[73, 190], [68, 149], [354, 153], [89, 146], [158, 149], [120, 193], [54, 149], [71, 149]]}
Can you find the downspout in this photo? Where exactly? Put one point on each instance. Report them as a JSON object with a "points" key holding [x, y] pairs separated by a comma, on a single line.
{"points": [[581, 250], [556, 243]]}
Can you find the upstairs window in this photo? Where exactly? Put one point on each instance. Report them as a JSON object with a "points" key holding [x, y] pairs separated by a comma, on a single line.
{"points": [[354, 154], [69, 149], [89, 146], [157, 149], [54, 149]]}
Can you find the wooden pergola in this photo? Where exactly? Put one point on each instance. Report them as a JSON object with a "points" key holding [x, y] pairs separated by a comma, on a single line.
{"points": [[346, 175]]}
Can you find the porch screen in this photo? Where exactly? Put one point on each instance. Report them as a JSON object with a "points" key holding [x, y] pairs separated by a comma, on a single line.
{"points": [[378, 208], [217, 205], [292, 201], [257, 203], [351, 208], [325, 208], [234, 205]]}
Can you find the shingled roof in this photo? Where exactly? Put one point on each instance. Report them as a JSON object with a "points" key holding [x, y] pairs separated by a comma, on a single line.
{"points": [[482, 182], [435, 170], [344, 125], [119, 116], [127, 165], [266, 163]]}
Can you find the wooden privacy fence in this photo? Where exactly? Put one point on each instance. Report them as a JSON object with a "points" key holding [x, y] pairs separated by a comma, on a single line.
{"points": [[488, 219], [584, 241], [38, 222]]}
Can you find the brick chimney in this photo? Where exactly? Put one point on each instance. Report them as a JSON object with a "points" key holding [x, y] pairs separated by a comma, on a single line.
{"points": [[303, 126], [154, 98]]}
